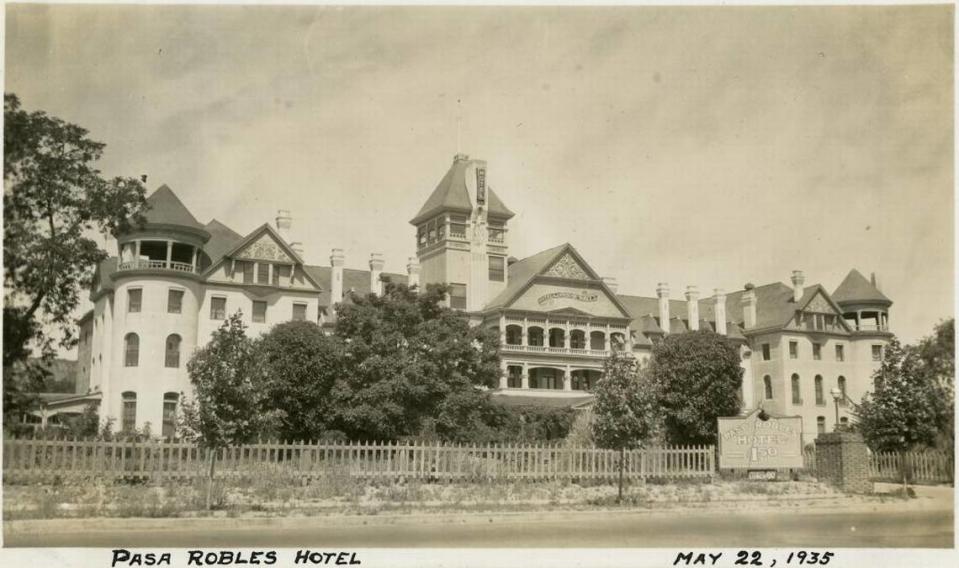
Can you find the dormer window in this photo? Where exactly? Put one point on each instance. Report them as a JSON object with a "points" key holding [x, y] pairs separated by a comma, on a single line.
{"points": [[262, 273]]}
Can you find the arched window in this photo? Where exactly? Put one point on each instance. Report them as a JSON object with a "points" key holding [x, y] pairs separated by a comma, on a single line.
{"points": [[797, 394], [173, 351], [534, 336], [131, 350], [170, 401], [820, 396], [557, 337], [768, 387], [597, 341], [577, 339], [128, 417], [841, 383], [821, 424], [514, 335]]}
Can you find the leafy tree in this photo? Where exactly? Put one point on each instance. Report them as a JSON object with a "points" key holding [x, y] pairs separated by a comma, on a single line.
{"points": [[937, 353], [902, 411], [302, 364], [409, 359], [698, 378], [625, 413], [54, 199], [230, 405]]}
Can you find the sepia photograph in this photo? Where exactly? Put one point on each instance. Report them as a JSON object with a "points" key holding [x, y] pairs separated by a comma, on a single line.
{"points": [[306, 284]]}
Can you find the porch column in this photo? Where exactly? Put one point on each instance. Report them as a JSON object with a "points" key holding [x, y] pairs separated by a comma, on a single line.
{"points": [[504, 375], [589, 335], [169, 253], [502, 329], [138, 250], [566, 337], [196, 256], [607, 338], [523, 340], [568, 380], [525, 379], [858, 320]]}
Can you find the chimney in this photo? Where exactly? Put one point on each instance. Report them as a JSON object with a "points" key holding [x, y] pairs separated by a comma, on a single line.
{"points": [[662, 291], [692, 307], [376, 268], [337, 259], [611, 283], [284, 226], [749, 307], [874, 281], [413, 272], [719, 310], [798, 280]]}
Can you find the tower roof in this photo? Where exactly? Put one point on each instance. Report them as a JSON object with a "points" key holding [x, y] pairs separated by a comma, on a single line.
{"points": [[165, 208], [856, 288], [452, 194]]}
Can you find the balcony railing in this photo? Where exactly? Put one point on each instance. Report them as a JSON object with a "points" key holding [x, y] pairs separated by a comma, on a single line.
{"points": [[555, 350], [147, 264]]}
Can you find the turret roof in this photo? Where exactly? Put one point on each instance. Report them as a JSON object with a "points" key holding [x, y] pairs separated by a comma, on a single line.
{"points": [[856, 288], [165, 208]]}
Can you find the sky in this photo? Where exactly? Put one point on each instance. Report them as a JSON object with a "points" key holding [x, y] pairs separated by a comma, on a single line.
{"points": [[693, 146]]}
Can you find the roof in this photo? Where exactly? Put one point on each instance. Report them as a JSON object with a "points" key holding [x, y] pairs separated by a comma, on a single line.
{"points": [[102, 277], [165, 208], [522, 271], [523, 400], [856, 288], [222, 239], [356, 280], [495, 206], [450, 193]]}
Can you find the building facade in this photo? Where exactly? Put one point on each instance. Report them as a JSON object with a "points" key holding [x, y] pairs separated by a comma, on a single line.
{"points": [[174, 280]]}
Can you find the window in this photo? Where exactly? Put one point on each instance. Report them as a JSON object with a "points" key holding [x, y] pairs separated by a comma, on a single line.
{"points": [[817, 351], [170, 400], [174, 302], [131, 350], [262, 273], [821, 424], [768, 387], [172, 359], [431, 232], [217, 308], [496, 272], [840, 353], [820, 397], [128, 419], [793, 350], [877, 352], [421, 236], [797, 394], [259, 312], [766, 355], [441, 228], [245, 268], [299, 312], [496, 232], [134, 300], [841, 383], [514, 378], [458, 296], [844, 422], [281, 275], [458, 226]]}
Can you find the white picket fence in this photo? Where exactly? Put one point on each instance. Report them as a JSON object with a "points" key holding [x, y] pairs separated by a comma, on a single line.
{"points": [[43, 459]]}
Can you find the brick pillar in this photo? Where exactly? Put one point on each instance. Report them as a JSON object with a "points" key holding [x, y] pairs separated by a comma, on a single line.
{"points": [[843, 461]]}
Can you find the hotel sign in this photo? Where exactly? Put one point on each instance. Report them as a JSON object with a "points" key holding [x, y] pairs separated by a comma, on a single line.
{"points": [[760, 441], [584, 296]]}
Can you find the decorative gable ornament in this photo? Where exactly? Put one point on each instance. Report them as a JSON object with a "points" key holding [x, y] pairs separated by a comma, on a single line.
{"points": [[264, 248], [819, 305], [567, 267]]}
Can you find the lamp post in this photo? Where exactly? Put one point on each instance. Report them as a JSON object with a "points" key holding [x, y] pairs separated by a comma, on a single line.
{"points": [[836, 395]]}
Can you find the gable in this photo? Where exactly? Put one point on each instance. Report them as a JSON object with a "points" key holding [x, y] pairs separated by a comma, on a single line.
{"points": [[819, 305], [568, 267], [264, 248], [582, 300]]}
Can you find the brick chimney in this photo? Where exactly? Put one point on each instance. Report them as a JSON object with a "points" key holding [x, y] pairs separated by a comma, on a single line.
{"points": [[284, 226], [337, 260], [749, 307], [798, 280], [692, 307], [376, 269], [720, 310], [662, 292], [413, 272]]}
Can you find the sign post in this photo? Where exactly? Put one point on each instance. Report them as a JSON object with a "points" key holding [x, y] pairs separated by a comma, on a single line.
{"points": [[760, 443]]}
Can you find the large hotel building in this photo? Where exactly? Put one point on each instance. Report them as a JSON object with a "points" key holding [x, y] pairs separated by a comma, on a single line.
{"points": [[174, 281]]}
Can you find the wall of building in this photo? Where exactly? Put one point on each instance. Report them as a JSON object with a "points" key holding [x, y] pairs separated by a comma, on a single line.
{"points": [[279, 308]]}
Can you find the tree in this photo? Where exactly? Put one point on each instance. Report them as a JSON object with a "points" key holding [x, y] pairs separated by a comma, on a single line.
{"points": [[902, 411], [54, 199], [698, 378], [302, 364], [409, 359], [625, 413], [937, 353], [230, 405]]}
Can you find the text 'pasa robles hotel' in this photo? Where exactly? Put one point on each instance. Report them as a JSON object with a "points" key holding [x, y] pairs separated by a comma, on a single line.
{"points": [[175, 280]]}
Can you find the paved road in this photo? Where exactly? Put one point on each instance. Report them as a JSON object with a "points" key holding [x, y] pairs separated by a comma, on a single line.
{"points": [[794, 528]]}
